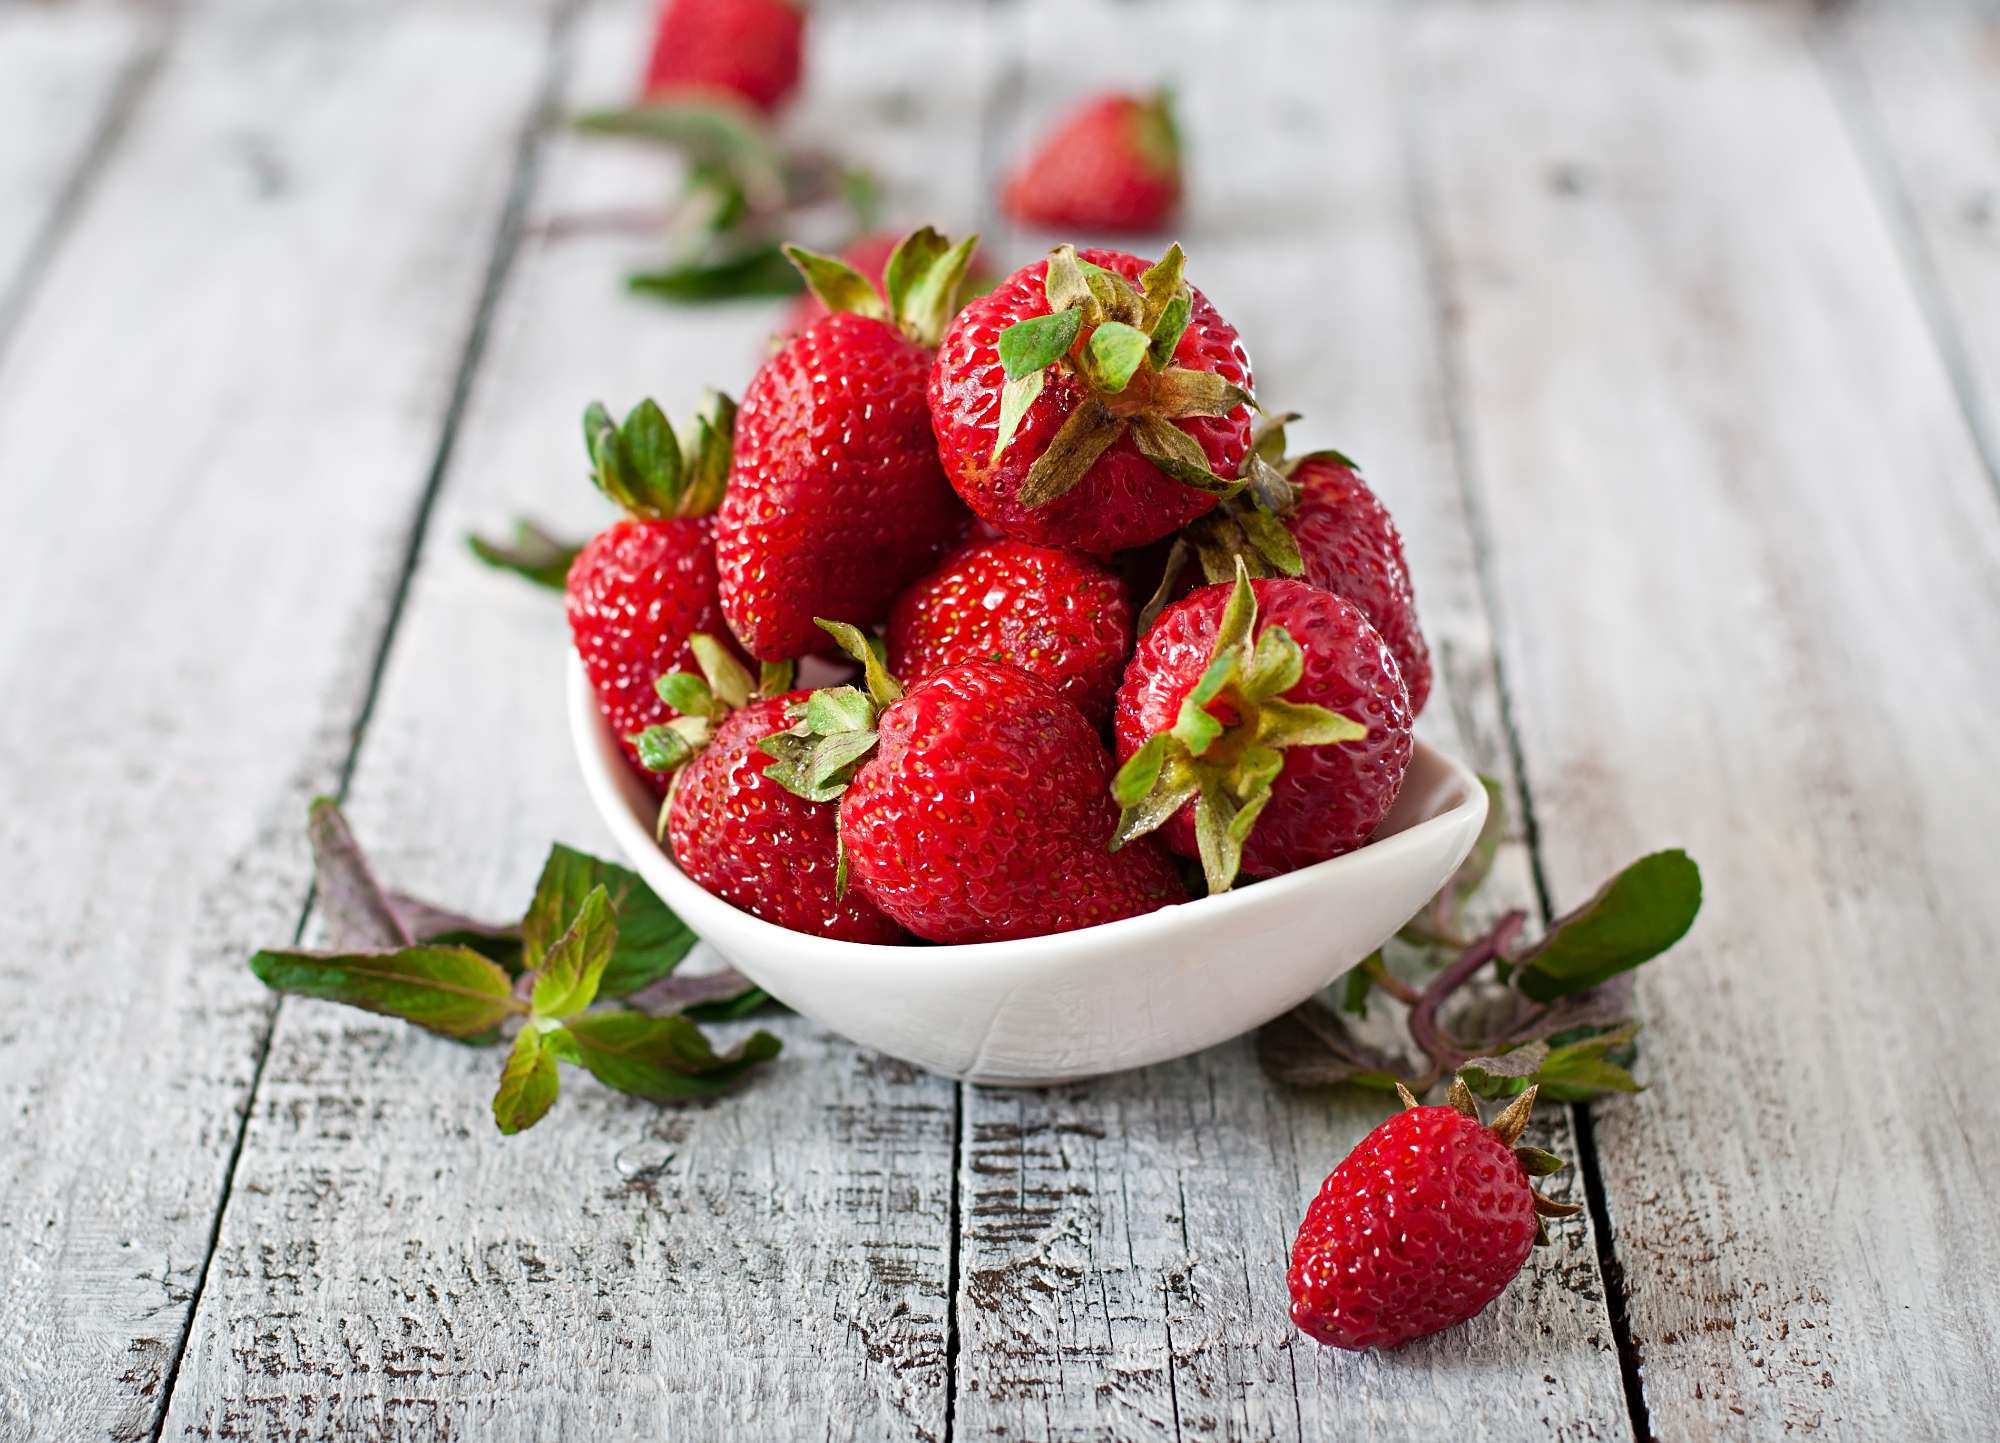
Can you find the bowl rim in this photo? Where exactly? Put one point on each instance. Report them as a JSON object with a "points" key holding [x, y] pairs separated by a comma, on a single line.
{"points": [[605, 775]]}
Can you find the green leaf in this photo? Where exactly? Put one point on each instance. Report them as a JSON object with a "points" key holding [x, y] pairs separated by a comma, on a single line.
{"points": [[1155, 782], [1116, 352], [654, 454], [882, 687], [1220, 849], [427, 922], [1032, 345], [1639, 914], [1580, 1071], [1167, 332], [1273, 540], [449, 990], [687, 694], [1300, 724], [1195, 727], [718, 138], [1064, 284], [669, 747], [533, 554], [652, 940], [834, 757], [1507, 1073], [835, 710], [728, 679], [775, 678], [1276, 665], [922, 278], [758, 272], [1178, 454], [838, 285], [528, 1083], [661, 1058], [1160, 284], [1015, 399], [573, 966]]}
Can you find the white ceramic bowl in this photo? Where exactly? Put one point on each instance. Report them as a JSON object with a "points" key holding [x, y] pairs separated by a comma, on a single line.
{"points": [[1052, 1009]]}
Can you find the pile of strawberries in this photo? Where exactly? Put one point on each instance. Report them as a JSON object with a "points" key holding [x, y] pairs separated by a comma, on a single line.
{"points": [[1095, 621]]}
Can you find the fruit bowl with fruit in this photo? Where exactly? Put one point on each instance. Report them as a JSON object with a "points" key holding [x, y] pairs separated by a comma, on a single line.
{"points": [[1041, 1010], [1094, 656]]}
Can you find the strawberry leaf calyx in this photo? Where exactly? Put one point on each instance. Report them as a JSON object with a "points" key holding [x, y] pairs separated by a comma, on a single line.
{"points": [[650, 472], [1224, 749], [703, 699], [1117, 340], [833, 729], [921, 283]]}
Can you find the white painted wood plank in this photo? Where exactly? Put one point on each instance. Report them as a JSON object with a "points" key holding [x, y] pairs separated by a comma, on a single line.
{"points": [[1921, 85], [1752, 578], [63, 72], [1125, 1242], [774, 1264], [216, 417]]}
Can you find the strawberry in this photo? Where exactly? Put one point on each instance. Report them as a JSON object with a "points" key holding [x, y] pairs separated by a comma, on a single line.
{"points": [[1113, 164], [972, 808], [1260, 752], [754, 844], [869, 254], [1076, 409], [640, 587], [749, 49], [837, 501], [1313, 517], [1422, 1225], [1055, 614]]}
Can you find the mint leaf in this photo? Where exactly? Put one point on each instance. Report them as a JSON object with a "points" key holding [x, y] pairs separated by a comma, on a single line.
{"points": [[449, 990], [659, 1057], [1506, 1073], [353, 907], [1579, 1071], [758, 271], [1640, 913], [652, 940], [574, 964], [1311, 1047], [731, 1008], [1027, 346], [528, 1083], [533, 554], [428, 922]]}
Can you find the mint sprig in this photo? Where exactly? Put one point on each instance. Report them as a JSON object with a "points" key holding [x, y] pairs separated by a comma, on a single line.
{"points": [[1554, 1015], [593, 932]]}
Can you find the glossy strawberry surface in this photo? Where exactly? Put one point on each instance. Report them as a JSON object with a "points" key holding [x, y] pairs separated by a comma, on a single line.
{"points": [[1351, 547], [836, 500], [757, 846], [635, 593], [1424, 1224], [1110, 165], [1123, 499], [1328, 799], [985, 814], [1057, 615], [748, 49]]}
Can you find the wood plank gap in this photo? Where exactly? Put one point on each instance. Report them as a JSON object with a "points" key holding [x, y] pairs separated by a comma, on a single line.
{"points": [[1855, 104], [955, 1213], [1446, 311], [506, 245], [128, 94]]}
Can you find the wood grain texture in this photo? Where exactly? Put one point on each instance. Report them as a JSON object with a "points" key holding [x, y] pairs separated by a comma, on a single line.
{"points": [[1921, 86], [216, 416], [1124, 1242], [65, 77], [772, 1265], [1700, 396]]}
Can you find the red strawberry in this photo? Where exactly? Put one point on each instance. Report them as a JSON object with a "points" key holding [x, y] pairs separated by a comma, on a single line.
{"points": [[837, 501], [1074, 408], [642, 586], [1260, 751], [869, 254], [1054, 614], [746, 48], [1113, 164], [982, 812], [1336, 534], [1421, 1226], [754, 844]]}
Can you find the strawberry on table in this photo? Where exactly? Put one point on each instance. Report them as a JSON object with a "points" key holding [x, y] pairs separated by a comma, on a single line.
{"points": [[1057, 615], [973, 808], [1260, 750], [1422, 1225], [1092, 402], [642, 586], [1314, 518], [1113, 164], [748, 49], [837, 500], [757, 846]]}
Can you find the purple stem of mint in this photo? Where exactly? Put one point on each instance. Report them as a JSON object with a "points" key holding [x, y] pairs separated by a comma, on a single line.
{"points": [[1424, 1028]]}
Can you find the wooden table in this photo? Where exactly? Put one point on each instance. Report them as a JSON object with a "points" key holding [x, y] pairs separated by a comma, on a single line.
{"points": [[1671, 333]]}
